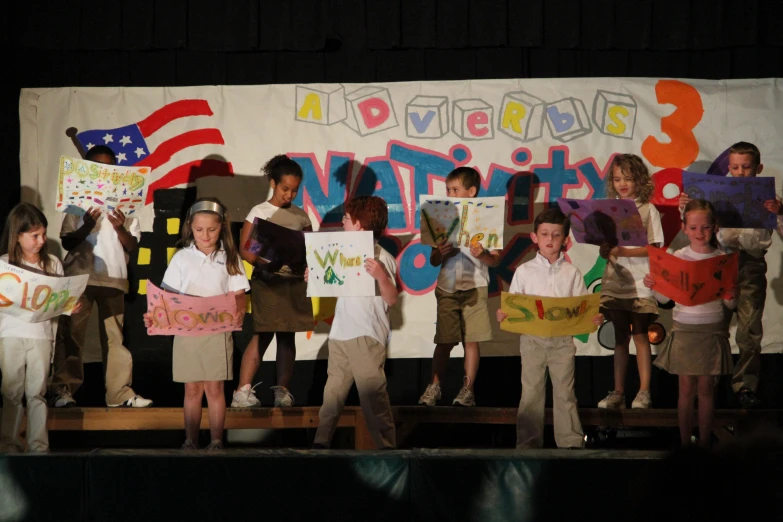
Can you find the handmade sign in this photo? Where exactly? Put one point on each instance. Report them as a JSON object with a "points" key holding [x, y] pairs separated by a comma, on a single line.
{"points": [[599, 221], [274, 243], [83, 184], [549, 316], [463, 221], [34, 297], [692, 283], [178, 314], [739, 202], [336, 264]]}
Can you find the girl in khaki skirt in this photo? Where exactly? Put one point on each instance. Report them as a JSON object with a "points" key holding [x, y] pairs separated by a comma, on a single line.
{"points": [[207, 264], [278, 292], [698, 348]]}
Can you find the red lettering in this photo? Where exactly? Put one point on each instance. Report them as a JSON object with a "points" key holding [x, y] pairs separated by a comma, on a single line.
{"points": [[474, 120], [374, 112]]}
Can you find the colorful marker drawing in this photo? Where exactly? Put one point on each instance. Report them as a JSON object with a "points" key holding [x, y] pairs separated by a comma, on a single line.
{"points": [[178, 314], [34, 297], [693, 282], [336, 264], [83, 184], [549, 316], [601, 221], [739, 202], [463, 221]]}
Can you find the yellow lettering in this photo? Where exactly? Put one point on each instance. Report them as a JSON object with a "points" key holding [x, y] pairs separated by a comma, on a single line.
{"points": [[617, 126], [475, 240], [462, 230], [513, 114], [493, 241], [4, 301], [311, 106]]}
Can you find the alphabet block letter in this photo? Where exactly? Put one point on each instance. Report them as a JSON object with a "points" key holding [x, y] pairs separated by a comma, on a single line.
{"points": [[521, 116], [568, 119], [614, 114], [427, 117], [323, 104], [370, 110], [472, 120]]}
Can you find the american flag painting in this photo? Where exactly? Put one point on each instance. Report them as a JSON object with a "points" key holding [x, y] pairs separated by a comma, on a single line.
{"points": [[163, 140]]}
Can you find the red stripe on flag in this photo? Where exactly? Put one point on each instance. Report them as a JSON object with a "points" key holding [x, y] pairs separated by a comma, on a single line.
{"points": [[168, 148], [190, 172], [171, 112]]}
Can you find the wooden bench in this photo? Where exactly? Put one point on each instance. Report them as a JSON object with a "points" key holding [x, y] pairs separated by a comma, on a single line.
{"points": [[407, 419]]}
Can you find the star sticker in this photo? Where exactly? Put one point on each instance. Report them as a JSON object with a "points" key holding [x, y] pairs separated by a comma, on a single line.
{"points": [[139, 151], [124, 192], [82, 182], [125, 140], [121, 157], [108, 139], [69, 180], [90, 145]]}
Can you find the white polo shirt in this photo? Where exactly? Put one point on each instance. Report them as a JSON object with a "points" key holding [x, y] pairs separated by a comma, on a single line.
{"points": [[11, 326], [100, 255], [292, 218], [462, 272], [540, 277], [194, 273], [365, 316]]}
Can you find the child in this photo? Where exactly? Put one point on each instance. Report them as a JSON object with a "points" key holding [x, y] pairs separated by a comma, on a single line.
{"points": [[698, 347], [97, 245], [549, 275], [207, 264], [359, 336], [624, 299], [462, 299], [752, 244], [279, 294], [25, 348]]}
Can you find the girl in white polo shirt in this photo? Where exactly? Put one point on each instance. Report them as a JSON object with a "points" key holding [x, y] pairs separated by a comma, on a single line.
{"points": [[206, 264]]}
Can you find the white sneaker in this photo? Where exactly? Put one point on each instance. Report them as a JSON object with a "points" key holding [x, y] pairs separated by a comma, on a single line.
{"points": [[614, 401], [431, 395], [63, 399], [215, 445], [137, 401], [642, 401], [283, 398], [245, 397], [189, 445], [465, 397]]}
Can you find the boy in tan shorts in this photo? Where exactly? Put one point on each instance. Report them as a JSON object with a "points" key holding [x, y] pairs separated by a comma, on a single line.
{"points": [[461, 292]]}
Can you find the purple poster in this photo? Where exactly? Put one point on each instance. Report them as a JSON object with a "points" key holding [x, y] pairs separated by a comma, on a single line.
{"points": [[599, 221], [738, 201], [277, 244]]}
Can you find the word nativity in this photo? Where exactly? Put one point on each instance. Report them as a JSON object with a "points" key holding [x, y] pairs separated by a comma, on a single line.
{"points": [[34, 297], [83, 184], [464, 222], [177, 314], [336, 264], [549, 316]]}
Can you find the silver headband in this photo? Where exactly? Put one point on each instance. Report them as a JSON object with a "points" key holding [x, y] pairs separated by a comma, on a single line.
{"points": [[206, 206]]}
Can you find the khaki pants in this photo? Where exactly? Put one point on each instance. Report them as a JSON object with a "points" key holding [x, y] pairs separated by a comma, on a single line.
{"points": [[558, 354], [25, 367], [71, 333], [360, 360], [752, 283]]}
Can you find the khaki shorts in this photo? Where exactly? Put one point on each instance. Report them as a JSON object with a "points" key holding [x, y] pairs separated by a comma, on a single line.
{"points": [[463, 316]]}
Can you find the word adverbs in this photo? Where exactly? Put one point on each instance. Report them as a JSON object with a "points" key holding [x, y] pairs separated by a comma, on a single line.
{"points": [[600, 221], [693, 283], [463, 221], [739, 202], [178, 314], [336, 264], [34, 297], [549, 316], [82, 184]]}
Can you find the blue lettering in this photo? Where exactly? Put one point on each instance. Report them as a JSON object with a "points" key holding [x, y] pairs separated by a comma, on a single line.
{"points": [[390, 190], [421, 124], [560, 121], [421, 279], [329, 204]]}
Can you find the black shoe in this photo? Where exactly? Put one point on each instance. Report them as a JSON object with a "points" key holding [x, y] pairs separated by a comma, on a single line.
{"points": [[747, 399]]}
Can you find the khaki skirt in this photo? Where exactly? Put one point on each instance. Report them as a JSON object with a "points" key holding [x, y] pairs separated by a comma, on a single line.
{"points": [[281, 305], [638, 305], [203, 358], [696, 349]]}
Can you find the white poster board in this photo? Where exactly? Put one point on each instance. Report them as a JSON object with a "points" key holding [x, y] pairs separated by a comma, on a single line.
{"points": [[34, 297], [463, 221], [335, 261]]}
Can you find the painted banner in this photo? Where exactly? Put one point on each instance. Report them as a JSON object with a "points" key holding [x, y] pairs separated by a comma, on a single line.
{"points": [[179, 314], [464, 221], [599, 221], [693, 282], [531, 140], [549, 316], [336, 264], [34, 297], [739, 202], [274, 244], [82, 184]]}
